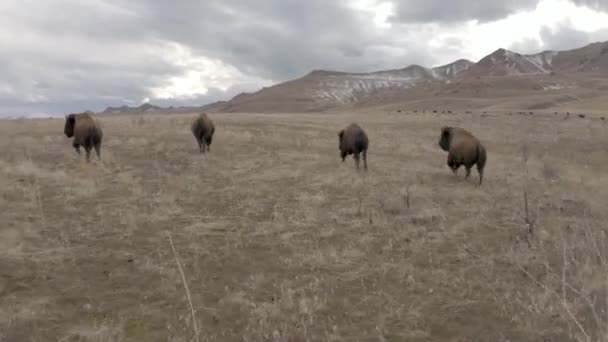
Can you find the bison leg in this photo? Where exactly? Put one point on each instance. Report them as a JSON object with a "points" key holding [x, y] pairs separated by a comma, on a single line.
{"points": [[468, 172], [202, 143], [209, 144], [199, 142], [356, 156], [88, 150], [98, 151], [77, 147], [365, 160], [453, 166], [480, 171]]}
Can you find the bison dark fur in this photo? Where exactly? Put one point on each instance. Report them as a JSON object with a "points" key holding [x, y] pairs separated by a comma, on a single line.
{"points": [[86, 131], [203, 129], [463, 149], [353, 140]]}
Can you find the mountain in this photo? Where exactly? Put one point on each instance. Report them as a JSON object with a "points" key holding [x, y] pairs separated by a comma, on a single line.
{"points": [[318, 90], [507, 63], [144, 108], [147, 108], [453, 70], [323, 89], [499, 74], [592, 58], [502, 72]]}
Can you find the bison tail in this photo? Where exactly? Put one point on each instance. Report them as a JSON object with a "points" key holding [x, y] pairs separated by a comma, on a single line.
{"points": [[481, 161], [481, 156], [94, 136]]}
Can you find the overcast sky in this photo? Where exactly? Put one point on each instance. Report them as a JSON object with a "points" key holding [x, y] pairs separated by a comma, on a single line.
{"points": [[62, 56]]}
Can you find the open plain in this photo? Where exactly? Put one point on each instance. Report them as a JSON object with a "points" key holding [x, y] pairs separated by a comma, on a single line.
{"points": [[270, 237]]}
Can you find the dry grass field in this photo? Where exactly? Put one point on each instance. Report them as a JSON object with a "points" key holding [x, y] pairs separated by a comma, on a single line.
{"points": [[270, 237]]}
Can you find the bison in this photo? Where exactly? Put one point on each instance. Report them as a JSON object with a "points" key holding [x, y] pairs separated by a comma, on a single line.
{"points": [[203, 129], [353, 140], [86, 131], [463, 149]]}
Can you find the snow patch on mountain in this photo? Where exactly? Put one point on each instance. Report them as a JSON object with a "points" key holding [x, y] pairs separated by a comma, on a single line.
{"points": [[558, 86], [348, 88]]}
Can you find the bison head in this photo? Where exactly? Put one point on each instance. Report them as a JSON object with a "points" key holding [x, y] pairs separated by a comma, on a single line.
{"points": [[444, 139], [70, 121]]}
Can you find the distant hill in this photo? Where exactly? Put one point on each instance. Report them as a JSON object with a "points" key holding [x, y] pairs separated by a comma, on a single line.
{"points": [[507, 63], [147, 108], [323, 89], [501, 73], [592, 58], [144, 108]]}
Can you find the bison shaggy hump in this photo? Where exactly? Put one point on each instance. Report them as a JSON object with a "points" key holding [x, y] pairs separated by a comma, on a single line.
{"points": [[203, 129], [86, 131], [353, 140], [463, 149]]}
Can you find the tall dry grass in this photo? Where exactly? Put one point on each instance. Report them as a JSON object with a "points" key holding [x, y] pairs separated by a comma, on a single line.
{"points": [[273, 238]]}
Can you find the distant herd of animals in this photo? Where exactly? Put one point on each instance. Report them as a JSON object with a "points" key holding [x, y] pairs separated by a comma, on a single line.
{"points": [[567, 114], [463, 147]]}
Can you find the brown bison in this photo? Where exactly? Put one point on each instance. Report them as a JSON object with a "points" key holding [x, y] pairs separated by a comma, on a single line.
{"points": [[203, 129], [353, 140], [463, 149], [86, 131]]}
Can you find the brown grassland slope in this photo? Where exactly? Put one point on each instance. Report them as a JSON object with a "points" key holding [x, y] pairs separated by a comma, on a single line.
{"points": [[280, 241]]}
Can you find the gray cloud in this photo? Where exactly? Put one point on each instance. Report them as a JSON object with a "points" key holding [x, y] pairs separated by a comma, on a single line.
{"points": [[600, 5], [422, 11], [527, 46], [213, 95], [63, 53], [562, 37], [276, 39], [69, 55], [60, 56]]}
